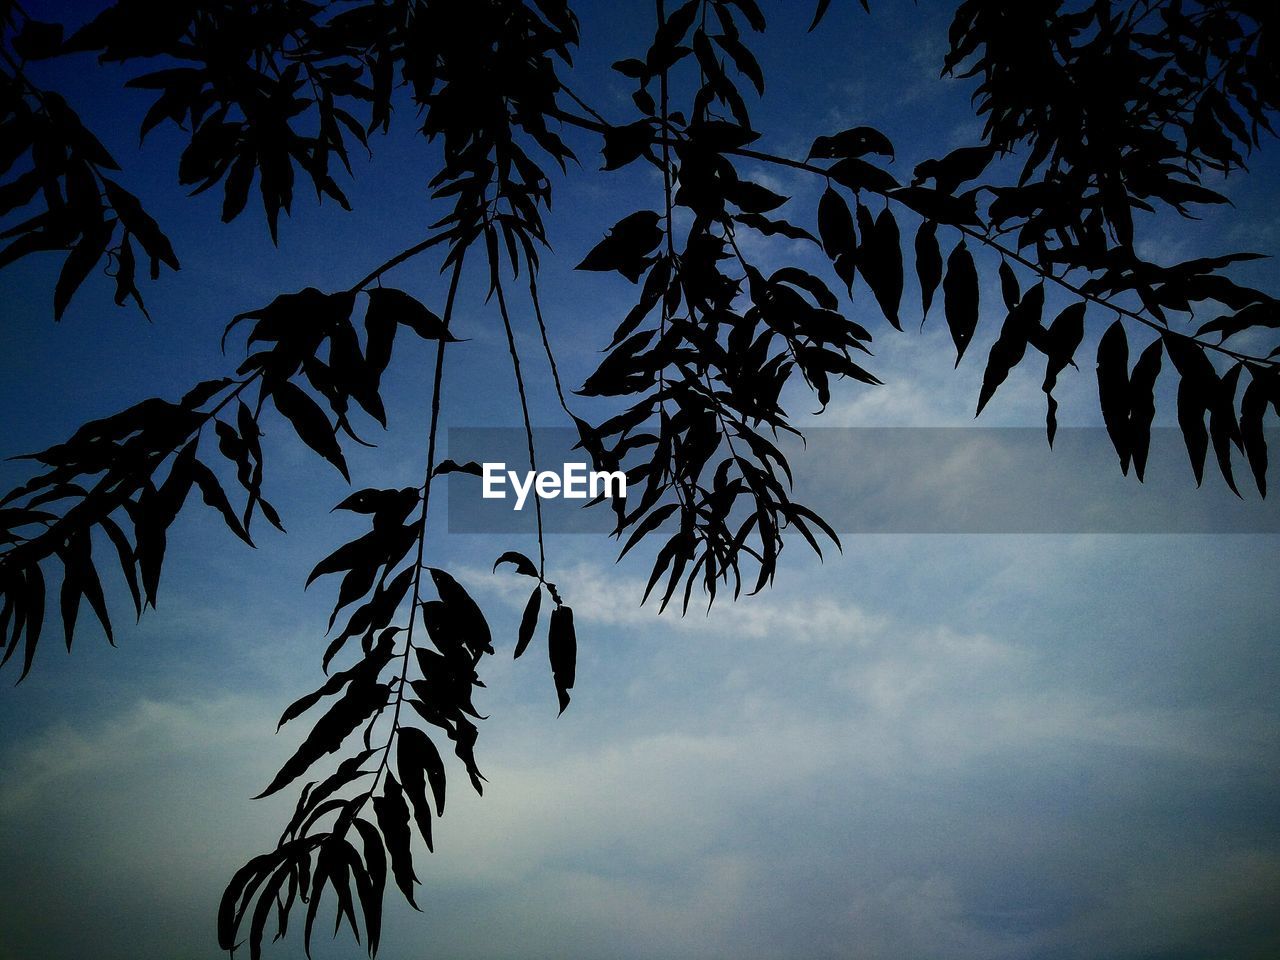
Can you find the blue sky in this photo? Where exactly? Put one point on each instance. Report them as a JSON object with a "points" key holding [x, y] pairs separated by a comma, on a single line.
{"points": [[946, 746]]}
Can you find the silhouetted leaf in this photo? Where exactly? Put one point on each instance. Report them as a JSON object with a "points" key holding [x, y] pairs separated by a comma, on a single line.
{"points": [[38, 40], [562, 648], [626, 143], [819, 12], [419, 761], [1253, 408], [1142, 400], [375, 882], [1113, 390], [960, 298], [393, 820], [941, 207], [881, 264], [529, 620], [1199, 392], [957, 167], [1059, 344], [522, 563], [311, 424], [835, 224], [214, 496], [627, 246], [1007, 352], [450, 466], [852, 143], [928, 265], [771, 227], [468, 617], [357, 704], [388, 306], [84, 255], [1009, 288]]}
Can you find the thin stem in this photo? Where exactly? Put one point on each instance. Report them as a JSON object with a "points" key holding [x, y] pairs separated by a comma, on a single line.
{"points": [[583, 104], [528, 425], [546, 342], [398, 259], [432, 433]]}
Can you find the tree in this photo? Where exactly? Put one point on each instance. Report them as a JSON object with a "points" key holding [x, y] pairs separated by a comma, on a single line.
{"points": [[1091, 111]]}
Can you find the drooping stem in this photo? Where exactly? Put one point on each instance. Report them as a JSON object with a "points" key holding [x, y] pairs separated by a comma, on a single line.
{"points": [[546, 341], [415, 595], [528, 425]]}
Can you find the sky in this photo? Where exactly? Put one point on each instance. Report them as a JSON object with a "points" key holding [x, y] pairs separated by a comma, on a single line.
{"points": [[1057, 745]]}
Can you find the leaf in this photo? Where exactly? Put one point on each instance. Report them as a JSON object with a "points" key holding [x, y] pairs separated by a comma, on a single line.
{"points": [[928, 265], [128, 561], [235, 190], [562, 649], [627, 246], [528, 621], [1251, 317], [957, 167], [466, 614], [1142, 399], [310, 423], [753, 198], [751, 11], [942, 207], [1199, 391], [809, 283], [79, 263], [635, 69], [392, 506], [419, 761], [852, 143], [450, 466], [375, 877], [859, 175], [1059, 344], [835, 224], [38, 40], [214, 496], [348, 772], [881, 264], [267, 899], [960, 298], [392, 814], [1113, 390], [770, 227], [819, 13], [624, 144], [1253, 408], [364, 671], [1010, 346], [1009, 288], [388, 306], [141, 225], [239, 892], [1191, 410], [647, 526], [743, 59], [357, 704], [522, 563], [81, 579]]}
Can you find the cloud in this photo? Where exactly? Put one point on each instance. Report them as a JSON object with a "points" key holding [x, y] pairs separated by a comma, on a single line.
{"points": [[803, 773]]}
